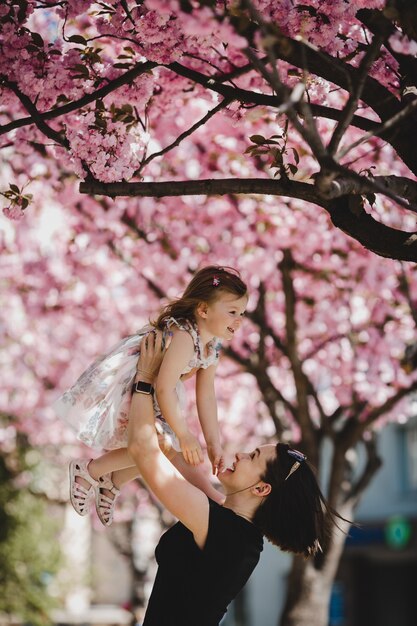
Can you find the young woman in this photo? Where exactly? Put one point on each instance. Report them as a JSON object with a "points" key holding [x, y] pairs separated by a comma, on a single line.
{"points": [[206, 558]]}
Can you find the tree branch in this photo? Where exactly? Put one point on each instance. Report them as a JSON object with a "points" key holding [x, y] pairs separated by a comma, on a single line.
{"points": [[271, 396], [394, 187], [373, 463], [374, 414], [36, 116], [203, 187], [187, 133], [331, 185], [383, 240], [126, 78], [355, 94], [286, 267], [387, 126]]}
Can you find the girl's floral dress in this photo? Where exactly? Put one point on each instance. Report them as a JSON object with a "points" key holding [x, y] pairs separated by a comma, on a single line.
{"points": [[97, 405]]}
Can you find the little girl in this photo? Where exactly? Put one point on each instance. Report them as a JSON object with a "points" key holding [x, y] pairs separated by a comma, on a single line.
{"points": [[209, 311]]}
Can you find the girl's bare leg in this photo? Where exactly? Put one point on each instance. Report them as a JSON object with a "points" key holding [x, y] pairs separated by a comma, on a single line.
{"points": [[107, 463], [110, 462], [121, 477]]}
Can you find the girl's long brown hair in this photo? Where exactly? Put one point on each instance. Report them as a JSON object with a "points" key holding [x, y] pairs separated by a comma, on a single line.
{"points": [[205, 286]]}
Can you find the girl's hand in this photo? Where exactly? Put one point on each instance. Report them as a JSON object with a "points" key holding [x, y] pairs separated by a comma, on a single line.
{"points": [[191, 449], [216, 456]]}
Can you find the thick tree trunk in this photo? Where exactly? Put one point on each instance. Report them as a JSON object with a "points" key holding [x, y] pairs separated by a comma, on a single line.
{"points": [[310, 582]]}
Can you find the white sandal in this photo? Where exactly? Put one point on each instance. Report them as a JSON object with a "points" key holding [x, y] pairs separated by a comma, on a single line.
{"points": [[104, 504], [80, 496]]}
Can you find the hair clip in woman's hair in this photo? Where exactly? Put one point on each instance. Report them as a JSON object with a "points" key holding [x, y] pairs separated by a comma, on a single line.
{"points": [[216, 281], [300, 458], [315, 548]]}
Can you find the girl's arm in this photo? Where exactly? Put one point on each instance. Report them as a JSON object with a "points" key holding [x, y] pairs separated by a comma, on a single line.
{"points": [[177, 357], [186, 502], [207, 413]]}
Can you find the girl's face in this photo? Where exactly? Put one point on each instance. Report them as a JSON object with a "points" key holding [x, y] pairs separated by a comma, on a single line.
{"points": [[223, 317]]}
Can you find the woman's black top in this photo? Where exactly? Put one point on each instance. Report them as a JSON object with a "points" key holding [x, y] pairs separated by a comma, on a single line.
{"points": [[193, 587]]}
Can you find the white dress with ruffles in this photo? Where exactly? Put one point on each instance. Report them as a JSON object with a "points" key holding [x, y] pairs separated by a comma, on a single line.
{"points": [[97, 405]]}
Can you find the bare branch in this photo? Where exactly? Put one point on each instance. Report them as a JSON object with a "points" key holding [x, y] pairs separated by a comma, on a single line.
{"points": [[374, 414], [308, 131], [354, 97], [388, 125], [222, 186], [271, 396], [285, 97], [373, 463], [187, 133], [383, 240], [286, 267], [405, 288], [327, 182], [36, 116]]}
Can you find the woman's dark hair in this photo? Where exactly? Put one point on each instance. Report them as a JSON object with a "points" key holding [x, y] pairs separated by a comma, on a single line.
{"points": [[295, 515], [205, 286]]}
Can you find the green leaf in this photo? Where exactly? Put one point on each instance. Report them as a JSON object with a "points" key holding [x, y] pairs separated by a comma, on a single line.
{"points": [[296, 155], [258, 139], [77, 39], [15, 188], [37, 40], [82, 71]]}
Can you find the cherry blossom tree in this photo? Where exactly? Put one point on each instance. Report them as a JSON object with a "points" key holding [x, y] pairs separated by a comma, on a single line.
{"points": [[321, 357], [313, 100], [300, 120]]}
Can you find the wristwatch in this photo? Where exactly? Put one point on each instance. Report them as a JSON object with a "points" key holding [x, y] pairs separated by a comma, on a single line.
{"points": [[141, 387]]}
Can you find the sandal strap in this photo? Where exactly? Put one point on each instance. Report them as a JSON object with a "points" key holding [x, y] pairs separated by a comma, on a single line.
{"points": [[103, 500], [104, 504], [106, 483], [80, 495], [80, 490], [80, 468]]}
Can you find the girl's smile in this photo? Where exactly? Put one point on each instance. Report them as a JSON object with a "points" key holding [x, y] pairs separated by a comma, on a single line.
{"points": [[221, 318]]}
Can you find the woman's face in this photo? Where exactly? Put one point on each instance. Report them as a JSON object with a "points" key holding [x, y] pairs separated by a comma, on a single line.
{"points": [[247, 468]]}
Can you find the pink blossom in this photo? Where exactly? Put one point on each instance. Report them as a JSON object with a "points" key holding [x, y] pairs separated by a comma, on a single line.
{"points": [[13, 212], [402, 44]]}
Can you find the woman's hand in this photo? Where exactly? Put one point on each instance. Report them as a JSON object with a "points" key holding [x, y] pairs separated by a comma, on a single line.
{"points": [[152, 351]]}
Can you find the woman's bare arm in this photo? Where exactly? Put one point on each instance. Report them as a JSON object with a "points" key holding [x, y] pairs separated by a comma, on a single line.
{"points": [[186, 502]]}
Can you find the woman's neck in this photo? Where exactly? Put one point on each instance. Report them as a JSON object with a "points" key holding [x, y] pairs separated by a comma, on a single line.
{"points": [[241, 507]]}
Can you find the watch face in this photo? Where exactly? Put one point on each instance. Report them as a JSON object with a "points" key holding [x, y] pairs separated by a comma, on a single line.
{"points": [[142, 387]]}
